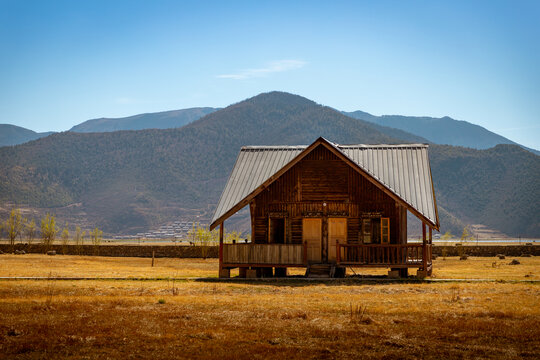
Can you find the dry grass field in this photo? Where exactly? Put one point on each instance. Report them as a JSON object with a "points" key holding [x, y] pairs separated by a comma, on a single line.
{"points": [[31, 265], [134, 319]]}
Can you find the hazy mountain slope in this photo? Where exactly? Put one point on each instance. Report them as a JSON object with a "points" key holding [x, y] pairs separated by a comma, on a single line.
{"points": [[400, 134], [497, 187], [282, 118], [14, 135], [127, 181], [159, 120], [444, 131]]}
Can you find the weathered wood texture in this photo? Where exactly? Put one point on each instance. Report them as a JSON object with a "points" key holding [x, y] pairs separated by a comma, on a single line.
{"points": [[388, 255], [285, 254], [312, 237], [318, 179]]}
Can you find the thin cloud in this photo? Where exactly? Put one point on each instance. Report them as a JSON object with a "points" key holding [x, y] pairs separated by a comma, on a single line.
{"points": [[273, 67]]}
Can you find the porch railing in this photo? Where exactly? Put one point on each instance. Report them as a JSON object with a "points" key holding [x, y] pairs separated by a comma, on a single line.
{"points": [[387, 254], [264, 254]]}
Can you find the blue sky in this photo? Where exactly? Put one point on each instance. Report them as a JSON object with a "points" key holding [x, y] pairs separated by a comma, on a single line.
{"points": [[63, 62]]}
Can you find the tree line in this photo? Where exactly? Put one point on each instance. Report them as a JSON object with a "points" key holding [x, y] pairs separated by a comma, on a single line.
{"points": [[17, 226]]}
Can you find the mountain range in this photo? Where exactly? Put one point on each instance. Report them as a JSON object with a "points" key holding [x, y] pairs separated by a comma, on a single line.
{"points": [[129, 181], [159, 120], [444, 131], [14, 135]]}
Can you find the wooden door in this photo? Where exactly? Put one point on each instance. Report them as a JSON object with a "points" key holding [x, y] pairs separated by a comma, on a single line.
{"points": [[337, 231], [312, 235]]}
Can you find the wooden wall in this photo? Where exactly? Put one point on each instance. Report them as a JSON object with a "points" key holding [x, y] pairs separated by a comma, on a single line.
{"points": [[321, 177]]}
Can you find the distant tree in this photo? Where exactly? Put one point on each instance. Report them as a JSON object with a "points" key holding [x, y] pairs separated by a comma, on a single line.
{"points": [[79, 239], [232, 236], [203, 238], [96, 237], [65, 238], [14, 225], [48, 231], [466, 235], [30, 231], [447, 235]]}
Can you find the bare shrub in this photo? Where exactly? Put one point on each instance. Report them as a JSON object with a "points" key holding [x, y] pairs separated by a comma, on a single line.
{"points": [[455, 296], [174, 290], [50, 291], [357, 314]]}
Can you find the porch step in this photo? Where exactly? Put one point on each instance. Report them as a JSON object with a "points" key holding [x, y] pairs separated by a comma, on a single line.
{"points": [[320, 271]]}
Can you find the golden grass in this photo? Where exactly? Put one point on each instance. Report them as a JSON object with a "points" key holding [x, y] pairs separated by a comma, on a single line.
{"points": [[487, 268], [95, 266], [31, 265], [189, 319], [285, 319]]}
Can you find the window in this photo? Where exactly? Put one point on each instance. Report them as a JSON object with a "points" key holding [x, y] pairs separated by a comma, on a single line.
{"points": [[366, 230], [385, 230], [375, 230], [276, 233]]}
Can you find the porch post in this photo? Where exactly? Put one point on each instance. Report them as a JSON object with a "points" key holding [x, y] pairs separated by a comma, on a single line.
{"points": [[430, 254], [424, 247], [402, 252], [221, 246], [222, 272], [252, 218]]}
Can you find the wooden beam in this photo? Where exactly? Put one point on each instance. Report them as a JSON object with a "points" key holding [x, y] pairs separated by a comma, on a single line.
{"points": [[437, 225], [424, 247], [402, 224], [252, 215], [221, 230]]}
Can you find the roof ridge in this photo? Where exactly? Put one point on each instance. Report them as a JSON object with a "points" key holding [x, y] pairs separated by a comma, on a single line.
{"points": [[258, 147], [384, 145], [367, 146]]}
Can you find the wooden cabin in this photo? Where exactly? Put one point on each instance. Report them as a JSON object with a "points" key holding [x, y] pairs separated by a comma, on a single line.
{"points": [[327, 207]]}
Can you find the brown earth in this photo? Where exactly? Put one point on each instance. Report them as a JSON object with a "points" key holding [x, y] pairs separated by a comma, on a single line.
{"points": [[287, 319]]}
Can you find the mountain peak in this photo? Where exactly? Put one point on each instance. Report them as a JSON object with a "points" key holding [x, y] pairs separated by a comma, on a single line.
{"points": [[280, 97]]}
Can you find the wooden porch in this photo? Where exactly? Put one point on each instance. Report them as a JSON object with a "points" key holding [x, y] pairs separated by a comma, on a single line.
{"points": [[296, 255], [388, 255], [264, 255]]}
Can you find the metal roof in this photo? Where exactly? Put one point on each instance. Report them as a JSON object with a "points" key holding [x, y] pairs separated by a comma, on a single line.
{"points": [[402, 169]]}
